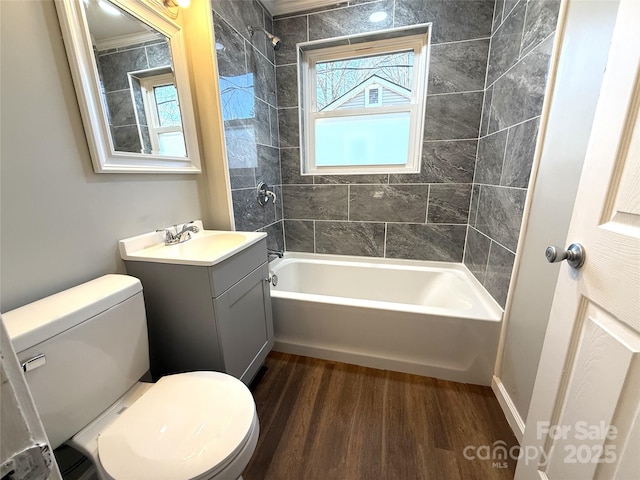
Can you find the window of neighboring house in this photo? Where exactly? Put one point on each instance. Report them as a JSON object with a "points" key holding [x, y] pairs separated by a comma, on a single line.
{"points": [[162, 109], [363, 105]]}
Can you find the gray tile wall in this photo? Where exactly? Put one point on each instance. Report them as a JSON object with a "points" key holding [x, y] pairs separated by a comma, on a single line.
{"points": [[247, 74], [422, 216], [487, 75], [519, 56]]}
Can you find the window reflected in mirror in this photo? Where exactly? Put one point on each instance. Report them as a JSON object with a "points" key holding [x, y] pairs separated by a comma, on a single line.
{"points": [[137, 82]]}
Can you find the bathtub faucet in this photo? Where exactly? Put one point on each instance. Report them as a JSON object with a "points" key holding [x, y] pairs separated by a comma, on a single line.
{"points": [[274, 253]]}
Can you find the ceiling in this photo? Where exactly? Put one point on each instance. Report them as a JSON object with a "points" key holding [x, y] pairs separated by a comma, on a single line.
{"points": [[280, 7]]}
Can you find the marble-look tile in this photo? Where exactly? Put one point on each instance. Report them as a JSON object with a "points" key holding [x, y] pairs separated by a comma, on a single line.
{"points": [[268, 169], [497, 15], [453, 117], [240, 142], [261, 123], [509, 7], [264, 76], [315, 202], [146, 139], [448, 161], [249, 13], [453, 20], [121, 111], [275, 235], [521, 147], [290, 165], [287, 81], [473, 208], [138, 101], [499, 268], [229, 48], [519, 94], [242, 178], [458, 67], [126, 139], [159, 55], [273, 126], [288, 127], [350, 179], [388, 203], [490, 158], [541, 21], [249, 215], [115, 67], [442, 243], [349, 21], [299, 235], [449, 203], [500, 214], [350, 238], [277, 189], [505, 44], [476, 253], [291, 31], [486, 111], [268, 25]]}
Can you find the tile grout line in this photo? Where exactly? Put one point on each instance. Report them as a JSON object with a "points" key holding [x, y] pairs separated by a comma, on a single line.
{"points": [[493, 240]]}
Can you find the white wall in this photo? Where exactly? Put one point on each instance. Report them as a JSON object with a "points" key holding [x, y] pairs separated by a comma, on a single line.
{"points": [[60, 222], [577, 86]]}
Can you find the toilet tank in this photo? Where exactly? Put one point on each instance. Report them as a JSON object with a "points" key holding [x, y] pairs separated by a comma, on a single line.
{"points": [[94, 341]]}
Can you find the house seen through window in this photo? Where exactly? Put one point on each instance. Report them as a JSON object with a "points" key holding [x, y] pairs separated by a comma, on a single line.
{"points": [[363, 107]]}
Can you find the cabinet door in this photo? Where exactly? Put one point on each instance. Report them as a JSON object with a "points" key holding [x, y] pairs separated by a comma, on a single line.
{"points": [[245, 325]]}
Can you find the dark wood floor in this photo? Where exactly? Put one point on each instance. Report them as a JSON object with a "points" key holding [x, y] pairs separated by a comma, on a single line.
{"points": [[329, 420]]}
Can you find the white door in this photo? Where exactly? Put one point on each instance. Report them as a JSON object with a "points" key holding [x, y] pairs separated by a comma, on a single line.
{"points": [[25, 451], [584, 419]]}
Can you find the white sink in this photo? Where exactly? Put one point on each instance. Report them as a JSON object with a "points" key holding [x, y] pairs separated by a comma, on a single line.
{"points": [[207, 247]]}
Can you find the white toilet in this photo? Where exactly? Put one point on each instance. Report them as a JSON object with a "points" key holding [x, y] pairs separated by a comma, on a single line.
{"points": [[84, 351]]}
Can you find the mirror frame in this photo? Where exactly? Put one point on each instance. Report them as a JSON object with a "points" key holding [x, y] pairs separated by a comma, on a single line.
{"points": [[77, 41]]}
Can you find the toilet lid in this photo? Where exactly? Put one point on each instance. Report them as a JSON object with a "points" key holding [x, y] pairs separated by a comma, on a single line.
{"points": [[185, 425]]}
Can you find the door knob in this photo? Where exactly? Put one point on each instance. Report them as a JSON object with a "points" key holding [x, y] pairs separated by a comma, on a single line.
{"points": [[574, 255]]}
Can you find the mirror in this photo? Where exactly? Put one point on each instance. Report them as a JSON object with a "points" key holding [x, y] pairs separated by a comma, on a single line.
{"points": [[129, 70]]}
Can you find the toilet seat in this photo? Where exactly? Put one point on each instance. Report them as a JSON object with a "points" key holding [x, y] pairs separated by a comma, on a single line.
{"points": [[186, 426]]}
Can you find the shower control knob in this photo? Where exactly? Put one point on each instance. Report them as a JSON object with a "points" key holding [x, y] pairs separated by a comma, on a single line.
{"points": [[574, 255]]}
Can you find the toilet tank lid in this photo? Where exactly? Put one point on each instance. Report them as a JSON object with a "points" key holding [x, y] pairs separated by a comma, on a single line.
{"points": [[43, 319]]}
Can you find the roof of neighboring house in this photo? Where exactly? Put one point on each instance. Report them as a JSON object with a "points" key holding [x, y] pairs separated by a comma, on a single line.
{"points": [[348, 95]]}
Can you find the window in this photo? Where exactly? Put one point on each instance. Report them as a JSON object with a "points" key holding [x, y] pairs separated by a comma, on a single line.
{"points": [[162, 110], [363, 105]]}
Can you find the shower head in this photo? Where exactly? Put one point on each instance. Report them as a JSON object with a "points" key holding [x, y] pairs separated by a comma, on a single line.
{"points": [[275, 41]]}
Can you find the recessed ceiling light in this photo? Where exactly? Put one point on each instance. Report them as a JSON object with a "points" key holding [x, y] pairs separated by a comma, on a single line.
{"points": [[219, 46], [378, 17]]}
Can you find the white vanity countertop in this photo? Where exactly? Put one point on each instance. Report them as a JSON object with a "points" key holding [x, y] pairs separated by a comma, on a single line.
{"points": [[205, 248]]}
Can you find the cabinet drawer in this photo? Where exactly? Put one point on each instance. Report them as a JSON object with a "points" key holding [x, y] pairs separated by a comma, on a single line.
{"points": [[229, 272]]}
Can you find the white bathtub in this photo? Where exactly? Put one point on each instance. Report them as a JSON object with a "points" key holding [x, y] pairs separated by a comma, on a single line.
{"points": [[427, 318]]}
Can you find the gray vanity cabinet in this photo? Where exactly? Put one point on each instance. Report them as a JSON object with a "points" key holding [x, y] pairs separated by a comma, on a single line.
{"points": [[208, 317]]}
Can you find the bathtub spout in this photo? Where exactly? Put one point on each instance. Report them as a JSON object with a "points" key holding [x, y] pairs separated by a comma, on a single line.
{"points": [[274, 253]]}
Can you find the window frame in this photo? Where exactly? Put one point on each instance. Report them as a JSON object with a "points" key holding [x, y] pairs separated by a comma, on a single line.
{"points": [[376, 43], [148, 85]]}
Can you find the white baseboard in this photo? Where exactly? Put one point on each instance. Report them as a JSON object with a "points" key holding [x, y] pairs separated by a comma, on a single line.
{"points": [[508, 407]]}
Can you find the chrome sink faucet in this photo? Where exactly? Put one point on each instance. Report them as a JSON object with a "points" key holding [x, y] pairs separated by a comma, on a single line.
{"points": [[175, 237]]}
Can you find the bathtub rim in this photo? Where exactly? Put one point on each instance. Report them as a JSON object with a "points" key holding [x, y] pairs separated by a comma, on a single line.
{"points": [[494, 312]]}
